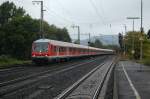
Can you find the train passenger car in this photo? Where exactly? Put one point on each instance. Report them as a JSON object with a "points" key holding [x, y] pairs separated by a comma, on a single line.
{"points": [[44, 50]]}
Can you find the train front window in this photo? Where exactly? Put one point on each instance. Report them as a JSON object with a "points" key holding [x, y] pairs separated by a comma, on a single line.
{"points": [[40, 47]]}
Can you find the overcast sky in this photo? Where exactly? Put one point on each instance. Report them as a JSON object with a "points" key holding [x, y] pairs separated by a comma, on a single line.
{"points": [[93, 16]]}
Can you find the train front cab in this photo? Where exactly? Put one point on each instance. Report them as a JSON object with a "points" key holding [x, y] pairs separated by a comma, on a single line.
{"points": [[40, 52]]}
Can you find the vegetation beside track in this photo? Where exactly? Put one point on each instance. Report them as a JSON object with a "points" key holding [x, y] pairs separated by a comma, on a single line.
{"points": [[146, 52], [7, 61], [18, 30], [128, 40]]}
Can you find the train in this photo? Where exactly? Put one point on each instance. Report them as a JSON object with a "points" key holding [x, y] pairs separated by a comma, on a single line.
{"points": [[47, 50]]}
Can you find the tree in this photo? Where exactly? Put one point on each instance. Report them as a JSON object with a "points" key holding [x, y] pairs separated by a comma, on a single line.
{"points": [[120, 36], [18, 30], [98, 43], [91, 44], [19, 37], [148, 34], [130, 45], [55, 33], [8, 10]]}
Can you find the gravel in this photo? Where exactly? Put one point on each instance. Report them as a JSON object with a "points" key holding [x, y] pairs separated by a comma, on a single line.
{"points": [[52, 86]]}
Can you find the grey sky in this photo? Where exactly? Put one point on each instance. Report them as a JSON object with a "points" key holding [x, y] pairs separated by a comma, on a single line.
{"points": [[93, 16]]}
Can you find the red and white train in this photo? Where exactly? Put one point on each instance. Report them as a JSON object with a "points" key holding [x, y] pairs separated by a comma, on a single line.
{"points": [[44, 50]]}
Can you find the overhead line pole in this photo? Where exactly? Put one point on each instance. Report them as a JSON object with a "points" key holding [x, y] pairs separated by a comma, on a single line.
{"points": [[141, 39], [89, 37], [133, 18], [89, 42], [141, 16], [41, 20], [125, 27], [78, 27]]}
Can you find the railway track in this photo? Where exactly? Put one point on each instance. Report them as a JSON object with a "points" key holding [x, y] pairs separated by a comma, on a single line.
{"points": [[90, 85], [11, 87], [6, 75]]}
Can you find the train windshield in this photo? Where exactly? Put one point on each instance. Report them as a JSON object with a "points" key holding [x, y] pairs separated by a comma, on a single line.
{"points": [[40, 47]]}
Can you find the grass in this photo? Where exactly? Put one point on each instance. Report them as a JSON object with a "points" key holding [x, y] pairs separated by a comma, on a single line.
{"points": [[146, 61], [6, 61], [146, 53]]}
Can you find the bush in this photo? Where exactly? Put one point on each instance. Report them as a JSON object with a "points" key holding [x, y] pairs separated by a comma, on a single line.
{"points": [[8, 61], [5, 58], [146, 61]]}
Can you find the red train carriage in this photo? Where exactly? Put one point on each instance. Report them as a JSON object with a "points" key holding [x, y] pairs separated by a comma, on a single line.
{"points": [[49, 50]]}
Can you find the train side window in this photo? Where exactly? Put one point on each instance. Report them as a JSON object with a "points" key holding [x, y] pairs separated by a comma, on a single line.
{"points": [[60, 49], [65, 49], [55, 49], [71, 50], [74, 49]]}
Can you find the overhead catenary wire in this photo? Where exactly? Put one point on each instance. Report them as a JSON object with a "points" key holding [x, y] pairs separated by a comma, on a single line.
{"points": [[68, 20], [96, 10], [58, 15], [63, 8]]}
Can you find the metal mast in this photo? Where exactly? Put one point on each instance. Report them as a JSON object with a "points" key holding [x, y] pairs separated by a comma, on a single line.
{"points": [[41, 20]]}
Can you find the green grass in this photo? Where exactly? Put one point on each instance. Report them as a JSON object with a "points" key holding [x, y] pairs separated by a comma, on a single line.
{"points": [[146, 52], [6, 61], [146, 61]]}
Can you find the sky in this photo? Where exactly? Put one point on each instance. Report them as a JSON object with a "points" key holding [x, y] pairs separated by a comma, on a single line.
{"points": [[97, 17]]}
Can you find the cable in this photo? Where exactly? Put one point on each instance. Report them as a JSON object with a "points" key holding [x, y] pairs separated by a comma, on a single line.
{"points": [[65, 19], [96, 10], [62, 7]]}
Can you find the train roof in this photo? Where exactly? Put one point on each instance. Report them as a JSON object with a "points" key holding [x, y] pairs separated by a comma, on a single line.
{"points": [[66, 44]]}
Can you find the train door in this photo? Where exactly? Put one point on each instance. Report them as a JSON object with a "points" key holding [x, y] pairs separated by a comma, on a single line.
{"points": [[54, 50], [57, 50], [50, 48], [67, 51]]}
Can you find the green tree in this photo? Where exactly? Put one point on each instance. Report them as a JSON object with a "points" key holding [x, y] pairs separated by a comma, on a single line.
{"points": [[120, 38], [8, 10], [52, 32], [91, 44], [148, 34], [18, 36], [98, 43], [146, 51], [132, 42], [18, 30]]}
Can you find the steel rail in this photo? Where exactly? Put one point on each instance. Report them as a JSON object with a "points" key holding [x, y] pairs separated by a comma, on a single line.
{"points": [[68, 91], [34, 75], [75, 85], [96, 94], [4, 91]]}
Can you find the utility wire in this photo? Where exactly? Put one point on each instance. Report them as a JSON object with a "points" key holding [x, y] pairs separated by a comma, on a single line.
{"points": [[58, 15], [96, 10], [66, 11], [62, 7]]}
